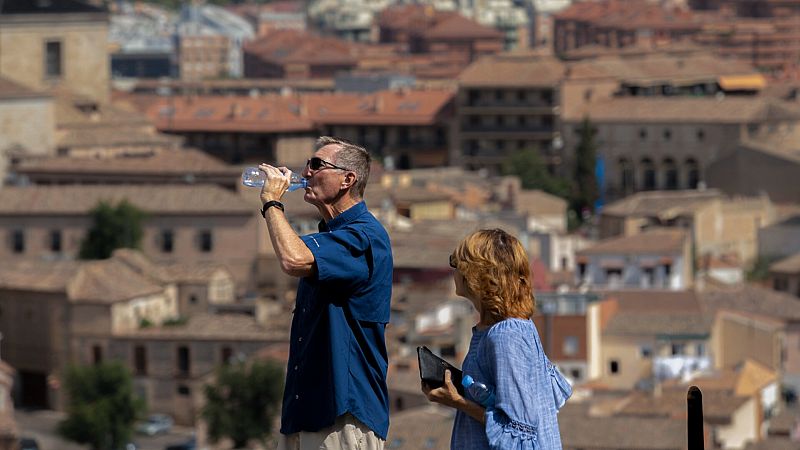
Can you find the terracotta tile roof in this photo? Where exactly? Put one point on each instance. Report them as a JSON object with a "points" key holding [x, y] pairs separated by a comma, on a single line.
{"points": [[420, 428], [752, 299], [652, 312], [301, 112], [652, 241], [218, 327], [659, 69], [105, 281], [622, 433], [282, 47], [772, 443], [661, 203], [728, 110], [157, 161], [718, 406], [152, 199], [630, 15], [188, 272], [788, 265], [535, 202], [509, 70], [454, 26], [109, 281], [10, 90]]}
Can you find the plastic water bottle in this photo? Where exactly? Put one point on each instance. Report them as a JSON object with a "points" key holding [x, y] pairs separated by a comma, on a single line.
{"points": [[253, 177], [479, 391]]}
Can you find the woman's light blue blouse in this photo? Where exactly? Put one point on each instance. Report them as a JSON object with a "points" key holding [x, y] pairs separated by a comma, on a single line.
{"points": [[529, 390]]}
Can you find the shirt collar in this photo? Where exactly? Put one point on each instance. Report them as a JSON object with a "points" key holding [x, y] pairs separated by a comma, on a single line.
{"points": [[344, 218]]}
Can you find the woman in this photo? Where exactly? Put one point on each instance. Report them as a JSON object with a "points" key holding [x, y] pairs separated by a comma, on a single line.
{"points": [[505, 353]]}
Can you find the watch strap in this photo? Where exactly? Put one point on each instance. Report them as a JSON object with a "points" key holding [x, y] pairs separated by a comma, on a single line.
{"points": [[269, 205]]}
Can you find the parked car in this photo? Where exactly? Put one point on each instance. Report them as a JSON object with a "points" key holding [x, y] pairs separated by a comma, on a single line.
{"points": [[26, 443], [190, 444], [155, 424]]}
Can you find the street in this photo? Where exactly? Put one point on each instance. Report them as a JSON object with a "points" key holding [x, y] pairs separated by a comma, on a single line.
{"points": [[41, 425]]}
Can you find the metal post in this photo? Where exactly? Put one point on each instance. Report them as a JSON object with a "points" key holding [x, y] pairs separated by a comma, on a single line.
{"points": [[694, 403]]}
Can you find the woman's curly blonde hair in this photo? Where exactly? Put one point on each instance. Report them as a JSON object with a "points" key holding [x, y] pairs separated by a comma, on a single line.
{"points": [[496, 270]]}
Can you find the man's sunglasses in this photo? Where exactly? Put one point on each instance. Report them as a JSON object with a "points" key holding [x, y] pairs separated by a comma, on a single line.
{"points": [[318, 163]]}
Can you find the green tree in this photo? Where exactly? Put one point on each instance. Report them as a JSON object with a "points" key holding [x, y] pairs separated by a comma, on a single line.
{"points": [[584, 192], [101, 406], [242, 403], [114, 227], [527, 164]]}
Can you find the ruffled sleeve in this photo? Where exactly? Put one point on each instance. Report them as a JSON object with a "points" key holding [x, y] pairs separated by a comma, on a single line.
{"points": [[529, 389]]}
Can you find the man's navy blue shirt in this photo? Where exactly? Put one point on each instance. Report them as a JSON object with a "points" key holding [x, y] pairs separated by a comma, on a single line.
{"points": [[337, 354]]}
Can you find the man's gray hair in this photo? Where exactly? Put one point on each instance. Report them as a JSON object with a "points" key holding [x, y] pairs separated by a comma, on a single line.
{"points": [[352, 157]]}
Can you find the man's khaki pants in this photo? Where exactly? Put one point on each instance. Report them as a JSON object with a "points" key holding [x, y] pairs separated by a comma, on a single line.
{"points": [[347, 433]]}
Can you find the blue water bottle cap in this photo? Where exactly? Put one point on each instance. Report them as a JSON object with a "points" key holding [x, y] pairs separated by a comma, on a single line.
{"points": [[467, 381]]}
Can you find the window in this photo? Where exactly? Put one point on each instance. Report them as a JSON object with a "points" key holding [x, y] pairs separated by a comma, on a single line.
{"points": [[140, 360], [700, 349], [206, 241], [648, 277], [667, 135], [576, 374], [184, 366], [701, 135], [642, 133], [780, 284], [52, 59], [613, 277], [570, 345], [97, 354], [692, 173], [677, 349], [564, 263], [167, 241], [227, 354], [18, 241], [648, 175], [626, 175], [581, 270], [645, 351], [184, 390], [193, 299], [613, 366], [670, 174], [55, 241]]}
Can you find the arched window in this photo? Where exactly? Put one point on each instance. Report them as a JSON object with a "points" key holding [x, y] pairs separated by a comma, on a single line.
{"points": [[692, 173], [648, 174], [626, 183], [670, 174]]}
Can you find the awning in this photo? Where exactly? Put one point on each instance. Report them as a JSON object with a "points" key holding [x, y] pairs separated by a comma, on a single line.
{"points": [[754, 82]]}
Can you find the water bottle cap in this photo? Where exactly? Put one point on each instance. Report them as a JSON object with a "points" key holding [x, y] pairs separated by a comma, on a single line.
{"points": [[467, 381]]}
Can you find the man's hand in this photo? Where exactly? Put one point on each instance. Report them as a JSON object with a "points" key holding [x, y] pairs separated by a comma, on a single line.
{"points": [[446, 395], [276, 184]]}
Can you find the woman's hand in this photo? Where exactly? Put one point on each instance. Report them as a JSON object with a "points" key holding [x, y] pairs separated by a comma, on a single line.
{"points": [[446, 395]]}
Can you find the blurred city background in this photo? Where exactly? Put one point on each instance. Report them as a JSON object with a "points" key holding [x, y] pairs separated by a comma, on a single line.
{"points": [[646, 152]]}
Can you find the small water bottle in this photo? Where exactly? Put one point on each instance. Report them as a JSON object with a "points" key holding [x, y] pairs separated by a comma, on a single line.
{"points": [[479, 391], [253, 177]]}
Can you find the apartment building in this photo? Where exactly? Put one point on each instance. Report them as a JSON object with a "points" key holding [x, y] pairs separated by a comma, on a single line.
{"points": [[507, 103], [784, 275], [27, 123]]}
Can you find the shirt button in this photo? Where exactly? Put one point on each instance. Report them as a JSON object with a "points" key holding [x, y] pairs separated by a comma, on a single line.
{"points": [[295, 367], [304, 310], [297, 397], [300, 339]]}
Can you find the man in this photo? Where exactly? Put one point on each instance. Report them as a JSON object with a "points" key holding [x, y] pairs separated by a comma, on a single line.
{"points": [[335, 395]]}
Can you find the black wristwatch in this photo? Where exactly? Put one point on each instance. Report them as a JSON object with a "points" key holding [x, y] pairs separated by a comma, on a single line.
{"points": [[269, 205]]}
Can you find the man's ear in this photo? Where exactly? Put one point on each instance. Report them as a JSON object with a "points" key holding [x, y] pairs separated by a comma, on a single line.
{"points": [[349, 180]]}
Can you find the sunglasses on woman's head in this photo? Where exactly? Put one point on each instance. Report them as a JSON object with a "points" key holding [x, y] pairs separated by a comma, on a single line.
{"points": [[453, 261], [318, 163]]}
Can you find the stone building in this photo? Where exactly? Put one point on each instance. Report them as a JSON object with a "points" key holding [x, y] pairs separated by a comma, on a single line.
{"points": [[56, 45]]}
